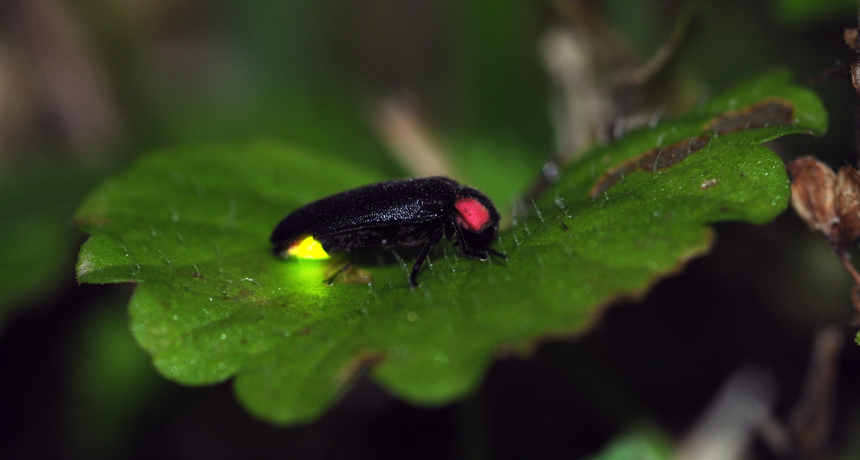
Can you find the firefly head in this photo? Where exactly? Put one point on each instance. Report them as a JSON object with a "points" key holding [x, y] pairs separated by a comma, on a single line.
{"points": [[477, 221]]}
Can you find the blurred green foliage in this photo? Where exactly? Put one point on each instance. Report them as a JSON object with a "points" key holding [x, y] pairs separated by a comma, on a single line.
{"points": [[308, 74], [805, 13], [37, 200]]}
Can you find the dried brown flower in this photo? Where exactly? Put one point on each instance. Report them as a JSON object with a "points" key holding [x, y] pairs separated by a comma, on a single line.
{"points": [[812, 189], [829, 203], [847, 205]]}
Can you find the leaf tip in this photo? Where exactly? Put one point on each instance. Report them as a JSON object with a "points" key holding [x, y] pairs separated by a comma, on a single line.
{"points": [[84, 267]]}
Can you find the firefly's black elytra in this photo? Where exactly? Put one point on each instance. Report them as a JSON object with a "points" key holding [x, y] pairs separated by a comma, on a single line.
{"points": [[399, 212]]}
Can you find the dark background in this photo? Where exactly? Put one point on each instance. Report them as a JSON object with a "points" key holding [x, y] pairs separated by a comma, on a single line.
{"points": [[87, 86]]}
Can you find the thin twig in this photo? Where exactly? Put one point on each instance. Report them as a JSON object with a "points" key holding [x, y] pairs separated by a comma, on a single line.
{"points": [[812, 418], [845, 258]]}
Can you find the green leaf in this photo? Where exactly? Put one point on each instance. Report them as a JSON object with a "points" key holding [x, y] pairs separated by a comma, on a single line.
{"points": [[191, 226]]}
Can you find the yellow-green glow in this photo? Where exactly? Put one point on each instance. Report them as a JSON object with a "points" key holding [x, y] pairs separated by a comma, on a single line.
{"points": [[308, 248]]}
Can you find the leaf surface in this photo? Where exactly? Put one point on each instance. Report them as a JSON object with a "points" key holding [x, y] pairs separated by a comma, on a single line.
{"points": [[191, 226]]}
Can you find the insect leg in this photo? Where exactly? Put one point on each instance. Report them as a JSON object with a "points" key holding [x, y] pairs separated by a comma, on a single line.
{"points": [[331, 278], [434, 238], [496, 253]]}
